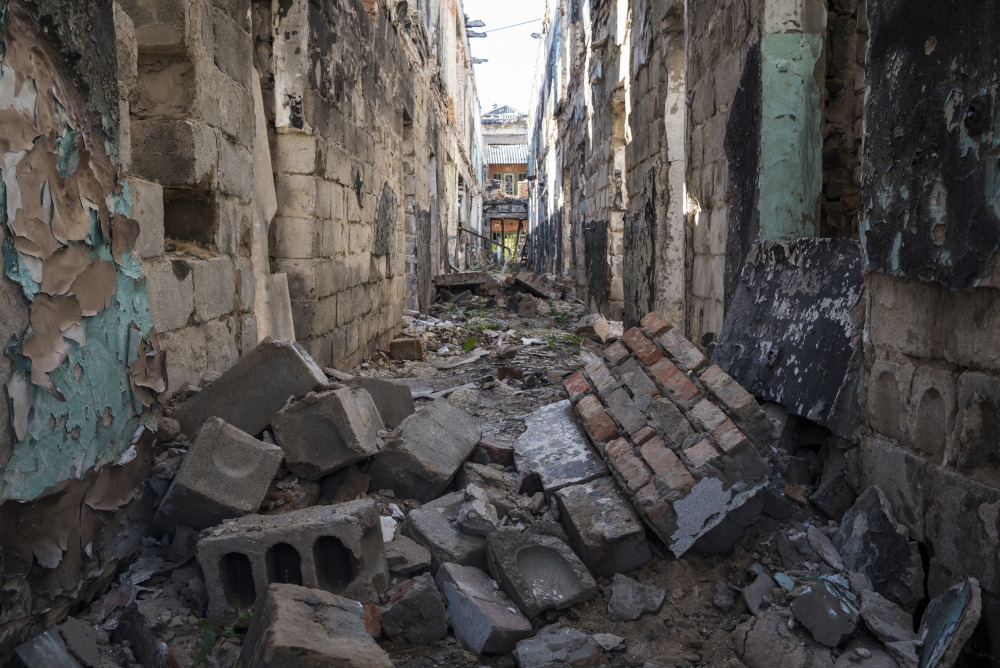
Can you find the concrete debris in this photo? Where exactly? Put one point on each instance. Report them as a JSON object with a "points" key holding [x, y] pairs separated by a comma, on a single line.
{"points": [[225, 474], [423, 454], [167, 429], [948, 623], [501, 488], [554, 448], [477, 516], [46, 650], [906, 653], [394, 401], [863, 652], [335, 548], [242, 398], [889, 622], [538, 572], [435, 526], [824, 548], [724, 595], [408, 349], [829, 610], [758, 595], [594, 327], [767, 641], [603, 526], [296, 627], [406, 557], [558, 647], [415, 612], [347, 484], [388, 528], [484, 620], [631, 600], [82, 641], [609, 642], [326, 431]]}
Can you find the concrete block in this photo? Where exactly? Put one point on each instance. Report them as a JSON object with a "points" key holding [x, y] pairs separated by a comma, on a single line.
{"points": [[235, 170], [900, 475], [327, 431], [888, 392], [394, 402], [558, 647], [214, 288], [423, 454], [434, 526], [416, 612], [604, 529], [225, 474], [170, 288], [407, 349], [406, 557], [963, 526], [147, 210], [538, 572], [484, 620], [253, 390], [625, 412], [296, 627], [630, 600], [978, 421], [174, 153], [338, 549], [555, 448], [233, 48]]}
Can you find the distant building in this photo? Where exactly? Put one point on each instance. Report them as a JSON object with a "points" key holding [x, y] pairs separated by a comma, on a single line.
{"points": [[505, 134]]}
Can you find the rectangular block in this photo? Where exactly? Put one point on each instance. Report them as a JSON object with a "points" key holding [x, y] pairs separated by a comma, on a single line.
{"points": [[225, 474], [670, 421], [683, 350], [655, 323], [636, 379], [632, 469], [554, 447], [616, 353], [337, 548], [600, 377], [435, 527], [667, 465], [674, 381], [576, 385], [481, 617], [596, 419], [147, 210], [640, 344], [710, 415], [728, 436], [622, 408], [739, 402]]}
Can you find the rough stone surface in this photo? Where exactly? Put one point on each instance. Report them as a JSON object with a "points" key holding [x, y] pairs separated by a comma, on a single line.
{"points": [[594, 327], [631, 600], [829, 611], [225, 474], [423, 454], [394, 401], [538, 572], [416, 612], [405, 556], [435, 527], [257, 387], [757, 593], [885, 619], [557, 648], [554, 447], [477, 516], [767, 642], [501, 488], [296, 627], [327, 431], [603, 527], [864, 652], [484, 620]]}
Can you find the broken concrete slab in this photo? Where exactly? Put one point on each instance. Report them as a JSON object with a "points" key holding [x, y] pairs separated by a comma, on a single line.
{"points": [[604, 528], [558, 647], [948, 623], [477, 516], [81, 641], [254, 389], [824, 548], [405, 556], [483, 619], [338, 549], [766, 642], [829, 610], [555, 448], [416, 612], [394, 401], [423, 454], [435, 527], [327, 431], [297, 627], [501, 488], [631, 600], [225, 474], [594, 327], [46, 650], [885, 619], [538, 572]]}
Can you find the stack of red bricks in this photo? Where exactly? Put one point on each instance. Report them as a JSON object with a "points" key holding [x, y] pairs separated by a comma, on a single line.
{"points": [[677, 433]]}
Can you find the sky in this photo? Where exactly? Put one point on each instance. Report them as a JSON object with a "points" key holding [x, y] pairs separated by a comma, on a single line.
{"points": [[507, 77]]}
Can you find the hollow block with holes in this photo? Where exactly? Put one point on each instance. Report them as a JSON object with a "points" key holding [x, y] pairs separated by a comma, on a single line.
{"points": [[335, 548]]}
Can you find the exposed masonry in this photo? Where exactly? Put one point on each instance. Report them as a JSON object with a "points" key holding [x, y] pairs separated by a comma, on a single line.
{"points": [[678, 434]]}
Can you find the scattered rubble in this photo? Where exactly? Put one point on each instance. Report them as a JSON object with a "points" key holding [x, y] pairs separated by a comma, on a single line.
{"points": [[631, 600], [484, 619], [415, 612]]}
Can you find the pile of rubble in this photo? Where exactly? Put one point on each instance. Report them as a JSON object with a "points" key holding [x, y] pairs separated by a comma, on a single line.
{"points": [[457, 514]]}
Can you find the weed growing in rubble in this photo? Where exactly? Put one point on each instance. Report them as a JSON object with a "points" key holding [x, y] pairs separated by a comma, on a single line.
{"points": [[209, 638]]}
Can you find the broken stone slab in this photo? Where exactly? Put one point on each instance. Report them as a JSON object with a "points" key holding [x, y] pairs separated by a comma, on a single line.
{"points": [[834, 495], [558, 648], [424, 452], [501, 488], [435, 526], [418, 387], [609, 642], [555, 448], [538, 572], [758, 594], [393, 401], [824, 548], [46, 650], [829, 610], [296, 627], [863, 652], [631, 600], [477, 516], [885, 619], [338, 549], [484, 621], [906, 653], [416, 612], [767, 642], [405, 556], [948, 623], [388, 528], [408, 349], [225, 474], [594, 327], [254, 389], [327, 431], [871, 542], [81, 641], [604, 528]]}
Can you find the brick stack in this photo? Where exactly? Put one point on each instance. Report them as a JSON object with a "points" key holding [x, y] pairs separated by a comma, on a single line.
{"points": [[677, 433]]}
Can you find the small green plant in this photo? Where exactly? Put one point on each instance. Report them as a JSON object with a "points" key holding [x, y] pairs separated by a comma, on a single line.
{"points": [[210, 638], [470, 343]]}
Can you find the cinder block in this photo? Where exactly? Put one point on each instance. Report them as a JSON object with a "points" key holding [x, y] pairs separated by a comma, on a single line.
{"points": [[324, 432], [933, 402], [336, 548], [978, 421], [887, 392], [147, 210], [225, 474]]}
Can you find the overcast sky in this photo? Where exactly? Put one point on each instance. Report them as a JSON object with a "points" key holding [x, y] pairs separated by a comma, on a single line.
{"points": [[507, 78]]}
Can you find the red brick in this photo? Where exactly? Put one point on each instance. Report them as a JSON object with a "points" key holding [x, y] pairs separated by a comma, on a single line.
{"points": [[576, 385], [674, 380], [655, 323], [701, 453], [623, 459], [710, 415], [598, 421], [730, 393], [728, 436], [667, 465], [616, 353], [644, 349], [683, 350], [661, 515], [643, 435]]}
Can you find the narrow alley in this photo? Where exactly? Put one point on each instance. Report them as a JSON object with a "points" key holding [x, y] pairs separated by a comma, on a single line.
{"points": [[543, 334]]}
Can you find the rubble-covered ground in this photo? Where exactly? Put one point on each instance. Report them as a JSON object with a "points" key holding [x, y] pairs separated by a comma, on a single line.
{"points": [[479, 565]]}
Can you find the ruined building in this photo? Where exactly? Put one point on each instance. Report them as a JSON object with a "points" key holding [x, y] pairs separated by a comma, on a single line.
{"points": [[805, 188]]}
